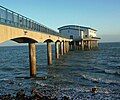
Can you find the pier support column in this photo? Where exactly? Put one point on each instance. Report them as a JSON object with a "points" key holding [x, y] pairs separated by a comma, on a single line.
{"points": [[82, 44], [89, 45], [67, 45], [64, 47], [49, 53], [61, 48], [70, 46], [32, 59], [74, 45], [57, 50]]}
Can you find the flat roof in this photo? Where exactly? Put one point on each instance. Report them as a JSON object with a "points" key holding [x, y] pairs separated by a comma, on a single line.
{"points": [[75, 26]]}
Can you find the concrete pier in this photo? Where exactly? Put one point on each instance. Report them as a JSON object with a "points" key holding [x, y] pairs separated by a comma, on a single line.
{"points": [[71, 45], [89, 45], [49, 53], [32, 59], [61, 48], [64, 47], [82, 44], [57, 50], [67, 46]]}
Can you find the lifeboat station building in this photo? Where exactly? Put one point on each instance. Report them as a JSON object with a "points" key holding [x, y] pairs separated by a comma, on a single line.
{"points": [[84, 38]]}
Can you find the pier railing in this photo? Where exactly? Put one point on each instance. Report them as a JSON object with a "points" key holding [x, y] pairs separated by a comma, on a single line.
{"points": [[11, 18]]}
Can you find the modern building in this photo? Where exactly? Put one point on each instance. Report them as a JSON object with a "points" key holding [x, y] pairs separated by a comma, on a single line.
{"points": [[83, 37]]}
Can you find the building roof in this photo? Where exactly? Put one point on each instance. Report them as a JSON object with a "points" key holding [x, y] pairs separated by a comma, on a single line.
{"points": [[75, 27]]}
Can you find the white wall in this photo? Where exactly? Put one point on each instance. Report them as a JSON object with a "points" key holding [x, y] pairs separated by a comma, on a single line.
{"points": [[78, 33], [91, 33], [81, 34], [85, 32]]}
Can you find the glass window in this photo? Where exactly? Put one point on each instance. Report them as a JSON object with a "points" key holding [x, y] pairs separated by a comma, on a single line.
{"points": [[71, 36]]}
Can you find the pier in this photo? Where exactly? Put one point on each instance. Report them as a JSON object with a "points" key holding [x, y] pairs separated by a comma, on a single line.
{"points": [[21, 29], [18, 28]]}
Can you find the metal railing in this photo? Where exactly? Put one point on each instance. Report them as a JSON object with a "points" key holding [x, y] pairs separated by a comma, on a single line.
{"points": [[14, 19]]}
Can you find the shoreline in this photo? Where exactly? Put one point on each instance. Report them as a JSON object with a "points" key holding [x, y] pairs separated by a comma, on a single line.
{"points": [[35, 95]]}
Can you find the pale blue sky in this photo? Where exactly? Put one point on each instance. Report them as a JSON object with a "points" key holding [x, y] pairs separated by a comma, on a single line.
{"points": [[103, 15]]}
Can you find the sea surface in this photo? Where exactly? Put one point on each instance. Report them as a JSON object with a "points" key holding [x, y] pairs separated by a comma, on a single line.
{"points": [[73, 75]]}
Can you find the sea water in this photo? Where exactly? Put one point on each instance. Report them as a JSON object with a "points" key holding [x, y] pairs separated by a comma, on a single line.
{"points": [[73, 75]]}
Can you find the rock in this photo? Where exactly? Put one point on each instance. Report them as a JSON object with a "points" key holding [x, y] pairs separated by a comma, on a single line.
{"points": [[20, 95], [94, 90], [6, 97], [37, 95], [65, 98]]}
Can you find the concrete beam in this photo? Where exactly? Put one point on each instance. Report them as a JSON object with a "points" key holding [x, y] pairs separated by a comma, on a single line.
{"points": [[17, 34]]}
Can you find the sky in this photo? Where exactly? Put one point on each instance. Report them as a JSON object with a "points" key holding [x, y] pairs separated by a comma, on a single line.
{"points": [[103, 15]]}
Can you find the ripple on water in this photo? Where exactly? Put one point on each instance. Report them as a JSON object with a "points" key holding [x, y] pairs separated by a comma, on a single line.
{"points": [[73, 75]]}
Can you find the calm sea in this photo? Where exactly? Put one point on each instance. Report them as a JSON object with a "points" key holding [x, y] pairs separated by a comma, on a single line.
{"points": [[73, 75]]}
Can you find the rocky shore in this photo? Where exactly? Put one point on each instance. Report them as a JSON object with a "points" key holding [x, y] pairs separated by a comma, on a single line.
{"points": [[35, 95]]}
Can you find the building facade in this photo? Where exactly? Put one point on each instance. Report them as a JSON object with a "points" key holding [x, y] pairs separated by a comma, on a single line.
{"points": [[84, 38]]}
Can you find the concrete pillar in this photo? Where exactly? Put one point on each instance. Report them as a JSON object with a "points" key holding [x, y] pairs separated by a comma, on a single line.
{"points": [[70, 46], [91, 44], [49, 53], [88, 45], [64, 47], [61, 48], [82, 44], [67, 45], [97, 44], [57, 50], [79, 45], [32, 59], [74, 45]]}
